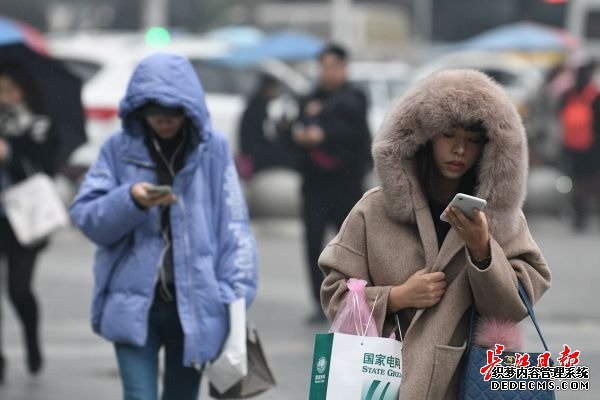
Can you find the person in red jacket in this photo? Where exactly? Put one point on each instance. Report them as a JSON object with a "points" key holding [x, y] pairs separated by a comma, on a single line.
{"points": [[580, 123]]}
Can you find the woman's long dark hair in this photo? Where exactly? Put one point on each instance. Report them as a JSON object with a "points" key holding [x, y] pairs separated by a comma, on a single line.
{"points": [[32, 95], [426, 167]]}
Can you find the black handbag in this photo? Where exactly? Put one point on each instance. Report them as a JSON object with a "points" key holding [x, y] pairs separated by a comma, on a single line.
{"points": [[473, 386], [259, 378]]}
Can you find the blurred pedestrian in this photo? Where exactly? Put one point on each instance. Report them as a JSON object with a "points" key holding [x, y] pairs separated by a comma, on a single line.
{"points": [[261, 138], [27, 145], [580, 123], [170, 258], [456, 131], [335, 141]]}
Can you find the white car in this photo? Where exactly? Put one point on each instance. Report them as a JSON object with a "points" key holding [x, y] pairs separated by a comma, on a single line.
{"points": [[106, 61], [382, 82], [522, 80]]}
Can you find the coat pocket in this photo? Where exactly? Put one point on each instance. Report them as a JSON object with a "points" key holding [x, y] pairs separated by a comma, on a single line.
{"points": [[444, 376]]}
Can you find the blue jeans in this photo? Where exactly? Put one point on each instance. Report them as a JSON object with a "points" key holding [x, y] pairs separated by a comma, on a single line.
{"points": [[138, 366]]}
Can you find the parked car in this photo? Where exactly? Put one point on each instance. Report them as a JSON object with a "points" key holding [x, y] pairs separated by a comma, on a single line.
{"points": [[583, 22], [522, 81], [106, 61], [382, 82]]}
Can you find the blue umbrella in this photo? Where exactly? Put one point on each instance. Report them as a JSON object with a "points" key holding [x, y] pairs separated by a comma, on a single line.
{"points": [[523, 36], [12, 31], [285, 46], [291, 46], [241, 36]]}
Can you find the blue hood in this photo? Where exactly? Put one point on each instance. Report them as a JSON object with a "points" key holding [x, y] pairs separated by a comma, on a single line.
{"points": [[169, 80]]}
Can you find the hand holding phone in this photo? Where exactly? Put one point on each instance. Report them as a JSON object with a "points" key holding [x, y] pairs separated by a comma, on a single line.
{"points": [[467, 204], [148, 195]]}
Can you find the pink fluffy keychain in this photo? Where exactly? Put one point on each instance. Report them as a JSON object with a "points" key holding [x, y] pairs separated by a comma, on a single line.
{"points": [[491, 331]]}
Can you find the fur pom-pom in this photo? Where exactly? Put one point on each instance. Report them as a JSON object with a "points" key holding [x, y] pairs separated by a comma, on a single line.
{"points": [[492, 331]]}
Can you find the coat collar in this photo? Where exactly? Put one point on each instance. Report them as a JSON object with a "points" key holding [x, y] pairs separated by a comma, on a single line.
{"points": [[435, 260]]}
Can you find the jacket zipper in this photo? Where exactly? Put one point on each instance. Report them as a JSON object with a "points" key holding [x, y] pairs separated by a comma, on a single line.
{"points": [[196, 358], [181, 204]]}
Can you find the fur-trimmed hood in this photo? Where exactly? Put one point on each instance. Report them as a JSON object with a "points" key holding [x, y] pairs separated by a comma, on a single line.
{"points": [[431, 107]]}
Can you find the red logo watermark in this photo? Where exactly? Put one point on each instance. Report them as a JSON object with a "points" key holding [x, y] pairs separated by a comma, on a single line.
{"points": [[504, 370]]}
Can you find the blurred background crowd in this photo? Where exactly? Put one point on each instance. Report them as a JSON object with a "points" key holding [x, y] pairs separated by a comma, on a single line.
{"points": [[256, 59], [532, 48]]}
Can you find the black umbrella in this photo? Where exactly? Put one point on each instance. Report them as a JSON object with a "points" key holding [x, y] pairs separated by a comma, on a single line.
{"points": [[61, 92]]}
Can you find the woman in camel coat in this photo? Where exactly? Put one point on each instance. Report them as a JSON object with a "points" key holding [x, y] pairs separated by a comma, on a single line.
{"points": [[456, 131]]}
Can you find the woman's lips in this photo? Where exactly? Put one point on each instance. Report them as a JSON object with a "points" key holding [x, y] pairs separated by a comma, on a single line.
{"points": [[455, 166]]}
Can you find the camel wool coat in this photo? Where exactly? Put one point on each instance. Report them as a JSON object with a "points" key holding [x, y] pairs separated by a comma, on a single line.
{"points": [[389, 235]]}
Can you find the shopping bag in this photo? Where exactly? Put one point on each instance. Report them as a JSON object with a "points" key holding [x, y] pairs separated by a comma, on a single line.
{"points": [[353, 367], [232, 364], [259, 378], [34, 209]]}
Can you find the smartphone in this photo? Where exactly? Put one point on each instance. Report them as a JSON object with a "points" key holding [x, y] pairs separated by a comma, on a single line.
{"points": [[467, 204], [160, 190]]}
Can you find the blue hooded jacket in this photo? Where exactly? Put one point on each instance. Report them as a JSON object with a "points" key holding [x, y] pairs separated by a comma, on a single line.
{"points": [[214, 252]]}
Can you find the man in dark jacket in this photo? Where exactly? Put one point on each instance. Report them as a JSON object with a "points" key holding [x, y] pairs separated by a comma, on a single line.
{"points": [[335, 141]]}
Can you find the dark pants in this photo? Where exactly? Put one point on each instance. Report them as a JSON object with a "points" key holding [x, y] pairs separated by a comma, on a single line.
{"points": [[325, 204], [21, 263], [138, 366], [585, 172], [585, 188]]}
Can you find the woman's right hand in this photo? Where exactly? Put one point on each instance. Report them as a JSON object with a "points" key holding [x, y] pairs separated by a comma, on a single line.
{"points": [[421, 290], [143, 197]]}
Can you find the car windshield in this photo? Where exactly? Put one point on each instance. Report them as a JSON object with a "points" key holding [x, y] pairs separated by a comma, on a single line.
{"points": [[83, 69], [504, 78], [592, 26], [217, 78]]}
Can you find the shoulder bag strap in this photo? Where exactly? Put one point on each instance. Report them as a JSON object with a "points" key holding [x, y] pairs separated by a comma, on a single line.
{"points": [[525, 299], [527, 303]]}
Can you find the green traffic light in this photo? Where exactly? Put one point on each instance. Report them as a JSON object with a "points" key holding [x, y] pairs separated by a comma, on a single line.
{"points": [[158, 37]]}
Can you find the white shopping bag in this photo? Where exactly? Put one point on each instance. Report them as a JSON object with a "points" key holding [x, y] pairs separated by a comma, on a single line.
{"points": [[232, 364], [34, 209], [353, 367]]}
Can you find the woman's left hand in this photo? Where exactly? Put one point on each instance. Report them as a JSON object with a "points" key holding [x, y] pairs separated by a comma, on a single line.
{"points": [[474, 232]]}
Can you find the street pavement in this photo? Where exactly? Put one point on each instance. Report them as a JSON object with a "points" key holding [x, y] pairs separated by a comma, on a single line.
{"points": [[80, 365]]}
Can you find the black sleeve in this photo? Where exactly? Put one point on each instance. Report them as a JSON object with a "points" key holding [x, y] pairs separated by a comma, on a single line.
{"points": [[251, 127], [350, 118], [302, 102], [36, 150]]}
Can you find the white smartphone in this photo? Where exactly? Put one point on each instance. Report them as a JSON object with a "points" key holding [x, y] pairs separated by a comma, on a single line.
{"points": [[160, 190], [467, 204]]}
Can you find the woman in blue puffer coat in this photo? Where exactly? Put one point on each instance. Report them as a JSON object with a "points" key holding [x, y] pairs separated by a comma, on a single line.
{"points": [[168, 262]]}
